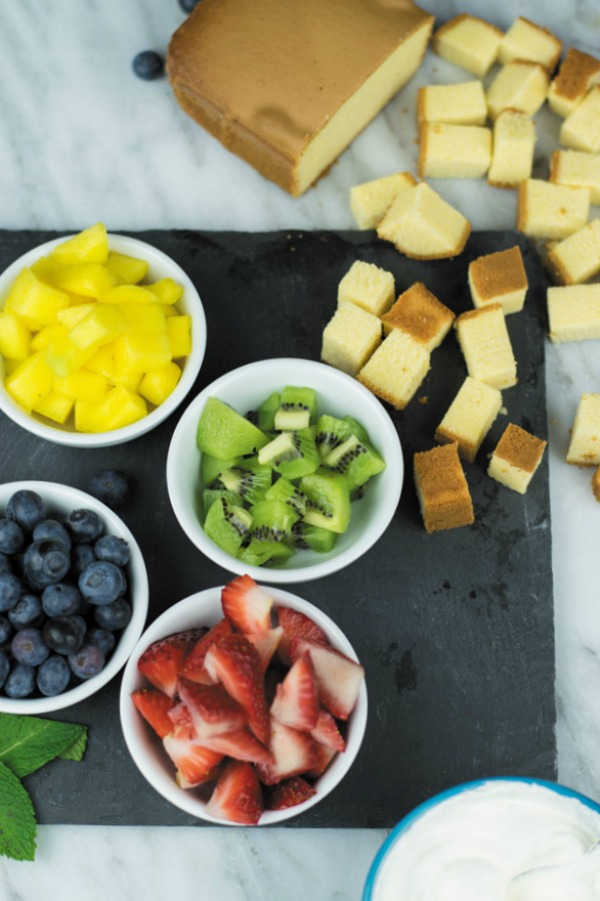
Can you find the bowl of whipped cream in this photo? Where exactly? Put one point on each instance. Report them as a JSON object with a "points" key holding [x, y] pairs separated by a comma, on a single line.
{"points": [[499, 839]]}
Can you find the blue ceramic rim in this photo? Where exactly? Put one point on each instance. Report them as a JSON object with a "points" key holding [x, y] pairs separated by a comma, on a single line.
{"points": [[416, 814]]}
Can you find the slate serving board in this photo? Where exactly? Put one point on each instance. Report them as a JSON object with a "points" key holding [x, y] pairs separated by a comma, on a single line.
{"points": [[455, 629]]}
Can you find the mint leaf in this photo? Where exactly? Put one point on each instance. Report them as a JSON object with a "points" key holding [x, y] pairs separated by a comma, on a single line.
{"points": [[28, 742], [17, 819], [76, 750]]}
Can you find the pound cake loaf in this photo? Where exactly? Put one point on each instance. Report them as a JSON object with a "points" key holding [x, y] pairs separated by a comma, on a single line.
{"points": [[516, 458], [287, 85], [442, 489]]}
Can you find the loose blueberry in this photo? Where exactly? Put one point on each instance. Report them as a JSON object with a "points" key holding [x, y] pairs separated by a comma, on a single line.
{"points": [[102, 583], [5, 566], [81, 556], [113, 616], [87, 662], [6, 630], [102, 638], [4, 667], [110, 486], [64, 634], [61, 599], [11, 589], [45, 562], [12, 538], [52, 530], [20, 682], [112, 549], [53, 675], [148, 65], [28, 646], [84, 525], [26, 508], [27, 612]]}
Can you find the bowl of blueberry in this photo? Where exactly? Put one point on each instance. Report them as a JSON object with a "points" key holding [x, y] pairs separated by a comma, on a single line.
{"points": [[73, 596]]}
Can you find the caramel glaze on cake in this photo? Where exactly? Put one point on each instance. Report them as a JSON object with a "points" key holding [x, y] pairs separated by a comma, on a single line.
{"points": [[287, 84]]}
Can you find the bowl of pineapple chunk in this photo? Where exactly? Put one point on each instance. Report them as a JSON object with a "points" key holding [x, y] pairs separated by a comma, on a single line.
{"points": [[101, 338]]}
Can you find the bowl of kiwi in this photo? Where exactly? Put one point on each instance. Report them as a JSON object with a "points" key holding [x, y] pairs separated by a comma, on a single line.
{"points": [[285, 465]]}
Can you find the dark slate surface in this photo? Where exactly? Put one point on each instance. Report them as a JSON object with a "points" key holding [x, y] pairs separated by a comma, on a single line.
{"points": [[455, 629]]}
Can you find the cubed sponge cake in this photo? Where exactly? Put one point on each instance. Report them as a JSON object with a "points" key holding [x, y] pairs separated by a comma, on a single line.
{"points": [[421, 315], [499, 278], [454, 151], [469, 417], [584, 446], [526, 40], [516, 458], [581, 129], [396, 369], [512, 149], [577, 169], [578, 73], [520, 85], [442, 489], [368, 286], [468, 42], [350, 337], [423, 226], [548, 210], [486, 347], [577, 258], [287, 85], [574, 312], [370, 200], [457, 104]]}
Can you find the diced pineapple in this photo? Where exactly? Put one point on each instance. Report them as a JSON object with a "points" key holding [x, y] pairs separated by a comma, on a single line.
{"points": [[168, 309], [55, 406], [89, 246], [103, 323], [127, 270], [31, 381], [62, 356], [167, 290], [103, 362], [157, 384], [45, 269], [9, 366], [34, 301], [119, 408], [179, 330], [74, 314], [129, 294], [41, 339], [83, 384], [139, 352], [88, 279], [15, 337], [144, 317]]}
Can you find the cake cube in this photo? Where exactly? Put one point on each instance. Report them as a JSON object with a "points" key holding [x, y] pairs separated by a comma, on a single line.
{"points": [[370, 200], [486, 347], [396, 369], [368, 286], [596, 483], [578, 73], [442, 489], [469, 417], [577, 169], [457, 104], [423, 226], [574, 312], [512, 149], [421, 315], [548, 210], [468, 42], [520, 85], [350, 337], [499, 278], [454, 151], [577, 258], [581, 129], [584, 446], [526, 40], [516, 458]]}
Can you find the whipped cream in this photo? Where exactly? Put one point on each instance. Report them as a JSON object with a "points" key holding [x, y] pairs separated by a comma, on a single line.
{"points": [[500, 841]]}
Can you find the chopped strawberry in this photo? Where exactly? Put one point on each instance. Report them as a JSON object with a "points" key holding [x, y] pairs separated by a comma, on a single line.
{"points": [[296, 625], [266, 644], [324, 757], [193, 668], [339, 678], [288, 793], [237, 796], [247, 605], [162, 662], [181, 716], [296, 701], [293, 753], [211, 710], [195, 763], [154, 706], [240, 745], [235, 663], [327, 733]]}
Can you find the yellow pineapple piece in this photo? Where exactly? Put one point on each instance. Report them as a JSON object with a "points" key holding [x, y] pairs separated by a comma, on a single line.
{"points": [[157, 384], [62, 356], [10, 366], [31, 381], [41, 339], [34, 301], [119, 408], [144, 317], [179, 330], [88, 279], [15, 337], [102, 324], [103, 362], [168, 309], [127, 270], [138, 352], [74, 313], [167, 290], [89, 246], [55, 406], [87, 417], [83, 384], [129, 294], [45, 269]]}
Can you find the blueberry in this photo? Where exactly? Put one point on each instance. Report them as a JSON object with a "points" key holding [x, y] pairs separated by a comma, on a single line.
{"points": [[84, 525], [26, 508], [52, 530], [26, 612], [188, 5], [113, 550], [11, 589], [20, 682], [64, 634], [102, 583], [81, 556], [12, 538], [87, 662], [45, 562], [102, 638], [113, 616], [4, 667], [53, 675], [110, 486], [5, 566], [6, 630], [61, 599], [148, 65], [28, 646]]}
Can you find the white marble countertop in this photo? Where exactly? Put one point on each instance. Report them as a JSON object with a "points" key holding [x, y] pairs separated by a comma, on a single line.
{"points": [[84, 140]]}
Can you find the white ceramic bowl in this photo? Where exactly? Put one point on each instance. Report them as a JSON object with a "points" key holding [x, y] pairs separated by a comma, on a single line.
{"points": [[338, 394], [161, 266], [204, 609], [63, 499]]}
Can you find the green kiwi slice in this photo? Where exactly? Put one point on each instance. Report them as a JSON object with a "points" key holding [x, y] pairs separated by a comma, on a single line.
{"points": [[291, 454], [223, 432], [265, 553], [297, 409], [227, 525], [286, 491], [210, 495], [357, 461], [313, 538], [264, 417], [248, 479], [212, 467], [328, 500], [331, 432], [272, 520]]}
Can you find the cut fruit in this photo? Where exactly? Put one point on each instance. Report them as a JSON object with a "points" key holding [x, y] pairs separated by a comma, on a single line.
{"points": [[210, 495], [296, 701], [212, 710], [246, 605], [355, 460], [327, 733], [154, 706], [293, 753], [295, 400], [289, 793], [237, 796], [195, 764], [265, 415], [329, 500], [162, 661], [226, 525], [286, 491], [265, 553], [313, 538], [292, 454], [222, 432], [272, 520], [339, 678], [89, 246], [266, 643], [240, 745], [212, 467], [248, 479], [194, 668], [296, 625], [331, 432]]}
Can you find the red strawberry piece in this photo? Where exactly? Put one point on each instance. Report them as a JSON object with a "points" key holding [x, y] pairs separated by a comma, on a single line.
{"points": [[240, 745], [293, 753], [195, 763], [288, 793], [327, 733], [235, 663], [247, 605], [162, 662], [237, 796], [211, 710], [193, 668], [266, 644], [338, 677], [180, 716], [296, 625], [296, 701], [324, 757], [154, 706]]}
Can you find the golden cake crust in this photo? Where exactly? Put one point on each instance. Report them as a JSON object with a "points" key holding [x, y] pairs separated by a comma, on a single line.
{"points": [[498, 273], [419, 312], [442, 489], [575, 74], [520, 448]]}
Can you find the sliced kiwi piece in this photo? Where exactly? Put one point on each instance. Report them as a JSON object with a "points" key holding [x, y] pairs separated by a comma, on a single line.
{"points": [[328, 500], [297, 408], [331, 432], [272, 520], [291, 420], [223, 432], [227, 525], [356, 460], [212, 467], [286, 491], [210, 495], [262, 553], [264, 417], [291, 454], [313, 538], [248, 479]]}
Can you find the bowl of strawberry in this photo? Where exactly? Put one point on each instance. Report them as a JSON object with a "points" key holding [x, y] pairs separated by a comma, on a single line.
{"points": [[243, 704]]}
